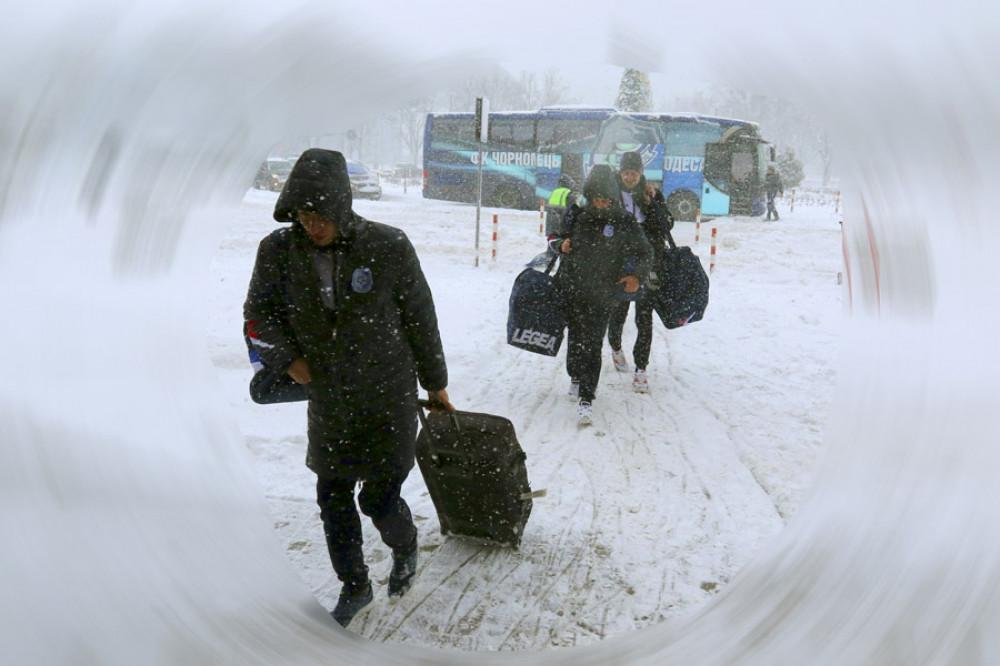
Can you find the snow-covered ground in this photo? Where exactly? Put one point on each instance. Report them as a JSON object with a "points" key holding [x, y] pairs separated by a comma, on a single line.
{"points": [[650, 511]]}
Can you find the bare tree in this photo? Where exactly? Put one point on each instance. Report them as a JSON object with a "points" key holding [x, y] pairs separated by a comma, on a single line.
{"points": [[554, 89], [506, 93], [411, 120]]}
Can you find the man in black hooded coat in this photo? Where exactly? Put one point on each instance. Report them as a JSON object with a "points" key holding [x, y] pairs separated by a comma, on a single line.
{"points": [[606, 255], [340, 304]]}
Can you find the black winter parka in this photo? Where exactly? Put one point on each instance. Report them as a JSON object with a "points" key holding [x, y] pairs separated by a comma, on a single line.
{"points": [[366, 354], [605, 246]]}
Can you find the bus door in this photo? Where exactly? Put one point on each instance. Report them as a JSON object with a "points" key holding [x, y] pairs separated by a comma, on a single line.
{"points": [[716, 186], [743, 178]]}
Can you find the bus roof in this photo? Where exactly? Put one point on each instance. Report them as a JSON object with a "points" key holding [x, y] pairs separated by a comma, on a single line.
{"points": [[692, 117], [576, 111], [585, 112]]}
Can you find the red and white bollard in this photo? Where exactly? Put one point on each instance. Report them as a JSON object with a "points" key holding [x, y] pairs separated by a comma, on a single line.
{"points": [[496, 228], [697, 226], [711, 261], [541, 219]]}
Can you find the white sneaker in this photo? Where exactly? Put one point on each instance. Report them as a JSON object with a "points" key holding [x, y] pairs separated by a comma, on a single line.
{"points": [[639, 382], [618, 356], [574, 389], [584, 413]]}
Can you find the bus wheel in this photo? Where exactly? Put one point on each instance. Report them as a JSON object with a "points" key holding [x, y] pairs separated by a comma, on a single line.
{"points": [[683, 205], [507, 197]]}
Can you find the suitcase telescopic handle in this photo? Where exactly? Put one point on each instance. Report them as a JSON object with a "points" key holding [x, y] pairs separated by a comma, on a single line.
{"points": [[429, 404]]}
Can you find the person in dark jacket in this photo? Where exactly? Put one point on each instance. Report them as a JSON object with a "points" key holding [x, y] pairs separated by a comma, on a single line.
{"points": [[340, 304], [606, 255], [773, 187], [646, 204]]}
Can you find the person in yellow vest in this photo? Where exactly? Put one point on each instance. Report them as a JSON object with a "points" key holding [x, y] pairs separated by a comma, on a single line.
{"points": [[561, 200]]}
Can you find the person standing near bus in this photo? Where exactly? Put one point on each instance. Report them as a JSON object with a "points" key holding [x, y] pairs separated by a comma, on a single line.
{"points": [[604, 252], [773, 187], [561, 199], [646, 204]]}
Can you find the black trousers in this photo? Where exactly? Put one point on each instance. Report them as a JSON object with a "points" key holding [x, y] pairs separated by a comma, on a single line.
{"points": [[771, 210], [643, 324], [379, 500], [586, 325]]}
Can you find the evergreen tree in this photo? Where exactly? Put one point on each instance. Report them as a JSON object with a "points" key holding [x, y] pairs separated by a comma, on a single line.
{"points": [[790, 168], [634, 92]]}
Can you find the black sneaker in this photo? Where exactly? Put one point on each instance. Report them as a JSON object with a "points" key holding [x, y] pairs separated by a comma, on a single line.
{"points": [[404, 567], [353, 598]]}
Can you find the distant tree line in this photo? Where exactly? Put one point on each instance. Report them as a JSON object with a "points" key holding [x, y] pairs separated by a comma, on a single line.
{"points": [[397, 136]]}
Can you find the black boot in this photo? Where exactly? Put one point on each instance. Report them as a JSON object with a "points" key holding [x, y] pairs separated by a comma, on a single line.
{"points": [[404, 567], [353, 597]]}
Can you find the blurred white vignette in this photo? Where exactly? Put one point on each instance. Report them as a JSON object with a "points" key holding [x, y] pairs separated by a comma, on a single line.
{"points": [[133, 529]]}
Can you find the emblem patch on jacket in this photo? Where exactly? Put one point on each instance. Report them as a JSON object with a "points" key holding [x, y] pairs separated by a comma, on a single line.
{"points": [[609, 230], [362, 280]]}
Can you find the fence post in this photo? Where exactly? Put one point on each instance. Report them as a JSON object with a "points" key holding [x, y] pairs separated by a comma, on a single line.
{"points": [[496, 226], [711, 263]]}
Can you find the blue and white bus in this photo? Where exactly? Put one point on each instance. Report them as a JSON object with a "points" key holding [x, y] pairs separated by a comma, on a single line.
{"points": [[526, 153], [716, 165]]}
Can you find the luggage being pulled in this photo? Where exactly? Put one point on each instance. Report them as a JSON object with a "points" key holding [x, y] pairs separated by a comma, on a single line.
{"points": [[474, 469], [535, 319], [682, 295], [269, 386]]}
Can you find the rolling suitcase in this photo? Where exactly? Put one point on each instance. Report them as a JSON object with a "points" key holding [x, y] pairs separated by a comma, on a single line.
{"points": [[474, 469]]}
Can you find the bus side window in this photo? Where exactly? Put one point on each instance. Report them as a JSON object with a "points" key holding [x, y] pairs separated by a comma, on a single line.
{"points": [[512, 132]]}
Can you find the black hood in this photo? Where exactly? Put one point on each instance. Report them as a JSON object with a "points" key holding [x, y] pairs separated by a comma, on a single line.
{"points": [[602, 183], [318, 182]]}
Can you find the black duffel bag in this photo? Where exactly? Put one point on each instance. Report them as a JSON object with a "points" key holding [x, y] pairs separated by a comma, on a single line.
{"points": [[269, 386], [682, 294], [536, 321]]}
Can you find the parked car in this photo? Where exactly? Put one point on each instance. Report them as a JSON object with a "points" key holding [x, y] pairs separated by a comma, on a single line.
{"points": [[364, 182], [272, 174]]}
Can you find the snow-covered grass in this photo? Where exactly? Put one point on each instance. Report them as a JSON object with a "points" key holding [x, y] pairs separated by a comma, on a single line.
{"points": [[651, 510]]}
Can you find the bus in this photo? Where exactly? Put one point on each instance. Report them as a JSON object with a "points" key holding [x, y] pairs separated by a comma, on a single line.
{"points": [[702, 163], [526, 153]]}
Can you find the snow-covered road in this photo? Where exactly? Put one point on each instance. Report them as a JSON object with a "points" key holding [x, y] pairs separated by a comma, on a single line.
{"points": [[651, 510]]}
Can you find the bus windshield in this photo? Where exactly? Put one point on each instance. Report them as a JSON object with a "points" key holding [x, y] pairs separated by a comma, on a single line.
{"points": [[624, 133]]}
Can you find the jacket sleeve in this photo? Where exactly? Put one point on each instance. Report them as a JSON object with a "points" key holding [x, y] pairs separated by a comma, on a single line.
{"points": [[638, 253], [565, 228], [264, 309], [662, 213], [419, 321]]}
